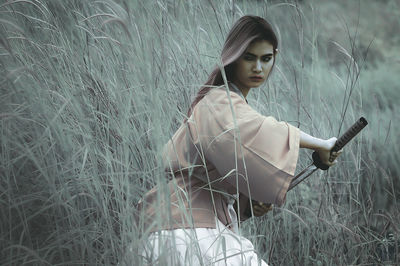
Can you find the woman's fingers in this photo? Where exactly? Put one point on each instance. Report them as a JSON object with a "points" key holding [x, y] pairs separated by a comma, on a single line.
{"points": [[334, 155], [260, 208], [337, 153]]}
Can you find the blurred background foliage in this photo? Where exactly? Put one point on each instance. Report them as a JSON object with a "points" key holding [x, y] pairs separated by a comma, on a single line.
{"points": [[91, 90]]}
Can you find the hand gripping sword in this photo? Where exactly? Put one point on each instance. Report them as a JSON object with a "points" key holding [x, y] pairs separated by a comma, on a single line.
{"points": [[340, 143]]}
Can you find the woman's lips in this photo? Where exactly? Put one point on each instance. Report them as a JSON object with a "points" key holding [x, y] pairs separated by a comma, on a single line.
{"points": [[256, 78]]}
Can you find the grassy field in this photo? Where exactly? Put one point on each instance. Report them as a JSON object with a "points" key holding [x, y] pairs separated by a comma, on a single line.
{"points": [[91, 91]]}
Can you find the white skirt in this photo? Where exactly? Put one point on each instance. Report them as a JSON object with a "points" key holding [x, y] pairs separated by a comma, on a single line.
{"points": [[199, 246]]}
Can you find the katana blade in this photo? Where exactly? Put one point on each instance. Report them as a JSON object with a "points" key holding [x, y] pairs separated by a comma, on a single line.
{"points": [[303, 175]]}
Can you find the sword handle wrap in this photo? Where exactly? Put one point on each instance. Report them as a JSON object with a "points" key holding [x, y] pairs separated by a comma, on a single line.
{"points": [[350, 133], [342, 141]]}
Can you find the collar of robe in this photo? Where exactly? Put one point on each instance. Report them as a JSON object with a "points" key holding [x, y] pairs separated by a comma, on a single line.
{"points": [[237, 90]]}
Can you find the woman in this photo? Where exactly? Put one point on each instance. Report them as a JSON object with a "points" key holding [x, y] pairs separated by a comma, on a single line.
{"points": [[224, 153]]}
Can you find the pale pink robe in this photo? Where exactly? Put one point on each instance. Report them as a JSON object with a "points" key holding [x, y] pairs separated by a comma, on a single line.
{"points": [[230, 149]]}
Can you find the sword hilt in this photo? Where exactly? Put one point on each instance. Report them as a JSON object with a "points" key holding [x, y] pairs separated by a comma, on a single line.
{"points": [[341, 141]]}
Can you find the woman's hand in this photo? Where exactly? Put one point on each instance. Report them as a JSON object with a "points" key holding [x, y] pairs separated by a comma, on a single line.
{"points": [[259, 208], [324, 152], [322, 147]]}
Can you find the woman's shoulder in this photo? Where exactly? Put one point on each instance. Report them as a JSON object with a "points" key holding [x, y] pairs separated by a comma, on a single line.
{"points": [[219, 103], [220, 94]]}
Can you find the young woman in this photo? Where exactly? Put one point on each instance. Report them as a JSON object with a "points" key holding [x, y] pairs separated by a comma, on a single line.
{"points": [[225, 153]]}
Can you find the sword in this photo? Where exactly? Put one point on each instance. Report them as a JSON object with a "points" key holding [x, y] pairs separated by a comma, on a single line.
{"points": [[340, 143]]}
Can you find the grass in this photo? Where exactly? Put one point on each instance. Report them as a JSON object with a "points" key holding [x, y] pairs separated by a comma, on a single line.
{"points": [[91, 90]]}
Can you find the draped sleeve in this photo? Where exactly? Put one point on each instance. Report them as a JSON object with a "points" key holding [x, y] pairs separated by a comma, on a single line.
{"points": [[255, 153]]}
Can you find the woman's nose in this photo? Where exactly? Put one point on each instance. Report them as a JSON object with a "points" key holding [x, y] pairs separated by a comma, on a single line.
{"points": [[257, 66]]}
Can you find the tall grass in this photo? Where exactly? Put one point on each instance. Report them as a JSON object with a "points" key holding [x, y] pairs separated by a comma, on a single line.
{"points": [[91, 90]]}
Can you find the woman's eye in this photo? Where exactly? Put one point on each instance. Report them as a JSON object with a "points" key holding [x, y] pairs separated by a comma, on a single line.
{"points": [[251, 58]]}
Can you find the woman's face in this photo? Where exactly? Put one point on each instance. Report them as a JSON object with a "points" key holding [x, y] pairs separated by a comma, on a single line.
{"points": [[253, 67]]}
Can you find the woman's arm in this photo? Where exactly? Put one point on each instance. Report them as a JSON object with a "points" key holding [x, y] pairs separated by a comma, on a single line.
{"points": [[310, 142], [321, 146]]}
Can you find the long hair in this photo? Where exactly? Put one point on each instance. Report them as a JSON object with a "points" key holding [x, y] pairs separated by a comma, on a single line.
{"points": [[246, 30]]}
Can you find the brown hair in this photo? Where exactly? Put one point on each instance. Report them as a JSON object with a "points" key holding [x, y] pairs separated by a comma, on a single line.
{"points": [[246, 30]]}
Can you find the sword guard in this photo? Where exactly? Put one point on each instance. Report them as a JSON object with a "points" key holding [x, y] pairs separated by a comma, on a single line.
{"points": [[318, 163]]}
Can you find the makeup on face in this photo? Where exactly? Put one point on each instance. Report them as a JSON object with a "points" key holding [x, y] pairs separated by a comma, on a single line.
{"points": [[253, 67]]}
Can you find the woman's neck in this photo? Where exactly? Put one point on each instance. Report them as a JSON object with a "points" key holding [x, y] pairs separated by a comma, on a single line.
{"points": [[243, 92]]}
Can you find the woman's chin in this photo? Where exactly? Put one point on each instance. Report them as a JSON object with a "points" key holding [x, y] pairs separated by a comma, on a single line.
{"points": [[255, 84]]}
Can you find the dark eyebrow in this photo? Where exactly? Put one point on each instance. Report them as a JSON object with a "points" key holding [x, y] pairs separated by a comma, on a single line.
{"points": [[247, 53]]}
